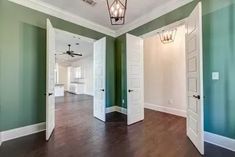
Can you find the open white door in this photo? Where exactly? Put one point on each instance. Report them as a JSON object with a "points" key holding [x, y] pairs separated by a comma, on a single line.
{"points": [[99, 79], [135, 85], [50, 80], [194, 68]]}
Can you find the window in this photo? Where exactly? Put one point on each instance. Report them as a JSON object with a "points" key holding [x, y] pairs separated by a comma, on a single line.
{"points": [[78, 72]]}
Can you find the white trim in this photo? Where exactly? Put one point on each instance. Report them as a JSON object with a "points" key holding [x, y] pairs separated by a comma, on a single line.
{"points": [[220, 141], [170, 110], [65, 15], [0, 139], [111, 109], [121, 110], [154, 14], [23, 131], [116, 109]]}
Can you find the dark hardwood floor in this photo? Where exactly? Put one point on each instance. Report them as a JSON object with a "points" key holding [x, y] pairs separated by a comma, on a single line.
{"points": [[79, 134]]}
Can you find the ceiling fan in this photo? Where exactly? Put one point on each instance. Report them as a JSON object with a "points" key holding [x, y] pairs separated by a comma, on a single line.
{"points": [[71, 53]]}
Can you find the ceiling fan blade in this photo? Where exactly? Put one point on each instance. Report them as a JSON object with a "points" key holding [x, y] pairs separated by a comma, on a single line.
{"points": [[77, 54]]}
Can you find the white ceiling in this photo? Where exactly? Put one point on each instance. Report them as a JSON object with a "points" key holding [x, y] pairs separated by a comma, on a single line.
{"points": [[85, 47], [99, 13], [96, 18]]}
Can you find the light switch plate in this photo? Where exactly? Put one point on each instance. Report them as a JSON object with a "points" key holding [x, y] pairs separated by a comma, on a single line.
{"points": [[215, 75]]}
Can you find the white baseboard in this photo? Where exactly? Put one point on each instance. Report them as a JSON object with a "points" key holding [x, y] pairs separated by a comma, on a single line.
{"points": [[22, 131], [169, 110], [116, 109], [215, 139], [220, 141], [121, 110], [111, 109]]}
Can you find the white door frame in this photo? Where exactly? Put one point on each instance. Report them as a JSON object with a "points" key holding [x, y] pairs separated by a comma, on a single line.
{"points": [[174, 25], [81, 37]]}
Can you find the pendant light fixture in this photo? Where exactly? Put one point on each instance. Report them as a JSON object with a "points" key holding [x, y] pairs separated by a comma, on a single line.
{"points": [[117, 11], [167, 36]]}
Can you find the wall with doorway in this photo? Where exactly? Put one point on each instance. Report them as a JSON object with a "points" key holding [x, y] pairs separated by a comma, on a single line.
{"points": [[23, 63], [86, 65], [171, 17], [218, 53], [165, 73]]}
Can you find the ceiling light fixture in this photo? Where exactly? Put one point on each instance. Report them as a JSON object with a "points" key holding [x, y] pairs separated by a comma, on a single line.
{"points": [[117, 11], [167, 36]]}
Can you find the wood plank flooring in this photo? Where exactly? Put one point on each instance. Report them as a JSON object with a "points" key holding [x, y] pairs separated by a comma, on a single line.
{"points": [[79, 134]]}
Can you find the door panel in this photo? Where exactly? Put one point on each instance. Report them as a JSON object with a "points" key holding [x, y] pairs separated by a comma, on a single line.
{"points": [[194, 69], [50, 81], [135, 97], [99, 78]]}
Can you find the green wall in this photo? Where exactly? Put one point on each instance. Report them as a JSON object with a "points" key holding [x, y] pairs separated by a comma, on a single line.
{"points": [[22, 63], [23, 50], [121, 84], [219, 55]]}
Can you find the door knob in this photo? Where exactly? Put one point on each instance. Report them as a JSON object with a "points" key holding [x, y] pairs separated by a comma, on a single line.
{"points": [[197, 96], [50, 94], [102, 90], [130, 90]]}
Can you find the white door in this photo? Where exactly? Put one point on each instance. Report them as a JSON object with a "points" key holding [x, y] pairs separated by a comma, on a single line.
{"points": [[99, 79], [194, 66], [135, 87], [50, 80]]}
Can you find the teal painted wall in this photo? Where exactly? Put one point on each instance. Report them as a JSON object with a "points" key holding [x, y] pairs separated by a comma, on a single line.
{"points": [[110, 72], [22, 63], [219, 55], [121, 83]]}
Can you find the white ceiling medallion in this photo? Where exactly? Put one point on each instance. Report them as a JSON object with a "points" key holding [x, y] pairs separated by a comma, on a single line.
{"points": [[117, 11]]}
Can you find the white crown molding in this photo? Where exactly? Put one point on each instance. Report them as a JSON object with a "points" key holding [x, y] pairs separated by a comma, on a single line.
{"points": [[62, 14], [22, 131], [220, 141], [169, 110], [157, 12]]}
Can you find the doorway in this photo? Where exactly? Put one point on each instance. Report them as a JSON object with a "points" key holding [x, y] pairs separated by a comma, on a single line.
{"points": [[181, 74], [75, 79]]}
